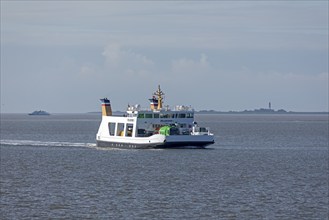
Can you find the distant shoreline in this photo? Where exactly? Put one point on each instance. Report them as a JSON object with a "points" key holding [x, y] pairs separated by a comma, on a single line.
{"points": [[257, 112], [245, 112]]}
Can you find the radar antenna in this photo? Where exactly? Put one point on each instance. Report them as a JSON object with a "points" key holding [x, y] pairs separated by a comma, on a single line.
{"points": [[159, 93]]}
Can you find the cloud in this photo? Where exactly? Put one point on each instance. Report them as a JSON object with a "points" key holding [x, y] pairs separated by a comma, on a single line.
{"points": [[189, 66], [126, 61], [87, 70], [113, 54]]}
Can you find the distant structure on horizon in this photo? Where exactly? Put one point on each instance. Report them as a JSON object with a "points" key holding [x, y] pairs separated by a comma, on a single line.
{"points": [[266, 110], [40, 112]]}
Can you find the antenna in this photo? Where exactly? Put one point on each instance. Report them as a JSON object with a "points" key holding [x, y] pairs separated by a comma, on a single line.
{"points": [[159, 93]]}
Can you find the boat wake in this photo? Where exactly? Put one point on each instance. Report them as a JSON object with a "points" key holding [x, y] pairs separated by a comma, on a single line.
{"points": [[44, 143], [30, 143]]}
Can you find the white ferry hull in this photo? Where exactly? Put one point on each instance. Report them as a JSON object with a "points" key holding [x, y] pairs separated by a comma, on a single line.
{"points": [[158, 141]]}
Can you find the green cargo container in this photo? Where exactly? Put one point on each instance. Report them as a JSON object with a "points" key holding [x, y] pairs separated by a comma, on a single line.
{"points": [[169, 130]]}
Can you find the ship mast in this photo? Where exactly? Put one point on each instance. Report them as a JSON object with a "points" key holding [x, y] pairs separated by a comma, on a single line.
{"points": [[159, 93]]}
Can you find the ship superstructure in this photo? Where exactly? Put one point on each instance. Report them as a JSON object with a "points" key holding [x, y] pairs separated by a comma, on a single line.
{"points": [[157, 127]]}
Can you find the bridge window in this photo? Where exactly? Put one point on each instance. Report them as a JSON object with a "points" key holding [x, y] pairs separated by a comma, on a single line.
{"points": [[111, 128], [120, 131], [181, 115], [148, 115], [141, 116], [156, 115], [164, 116], [129, 130]]}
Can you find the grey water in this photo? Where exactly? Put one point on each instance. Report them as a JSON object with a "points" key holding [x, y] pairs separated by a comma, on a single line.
{"points": [[261, 167]]}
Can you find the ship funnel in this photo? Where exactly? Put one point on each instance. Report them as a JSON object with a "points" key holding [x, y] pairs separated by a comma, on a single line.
{"points": [[106, 107], [153, 103]]}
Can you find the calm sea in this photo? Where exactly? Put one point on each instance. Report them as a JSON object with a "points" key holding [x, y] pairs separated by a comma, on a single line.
{"points": [[261, 167]]}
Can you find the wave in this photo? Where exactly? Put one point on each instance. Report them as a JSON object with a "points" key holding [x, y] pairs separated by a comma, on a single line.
{"points": [[45, 143]]}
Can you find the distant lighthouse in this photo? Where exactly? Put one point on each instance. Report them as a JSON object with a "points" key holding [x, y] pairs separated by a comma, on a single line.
{"points": [[269, 105]]}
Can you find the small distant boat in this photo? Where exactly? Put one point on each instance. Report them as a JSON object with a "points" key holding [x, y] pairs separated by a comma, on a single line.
{"points": [[40, 112]]}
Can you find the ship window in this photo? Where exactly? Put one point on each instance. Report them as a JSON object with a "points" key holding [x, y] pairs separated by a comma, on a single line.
{"points": [[156, 115], [140, 115], [129, 130], [164, 115], [111, 128], [181, 115], [182, 125], [189, 115], [148, 115], [141, 133], [120, 128]]}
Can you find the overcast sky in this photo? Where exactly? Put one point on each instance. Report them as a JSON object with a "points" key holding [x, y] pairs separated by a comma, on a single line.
{"points": [[63, 56]]}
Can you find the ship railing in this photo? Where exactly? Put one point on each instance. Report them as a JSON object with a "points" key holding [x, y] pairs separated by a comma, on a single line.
{"points": [[201, 131], [183, 108], [165, 108]]}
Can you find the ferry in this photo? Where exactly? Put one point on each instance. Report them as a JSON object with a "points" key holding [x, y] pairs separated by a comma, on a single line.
{"points": [[156, 127]]}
